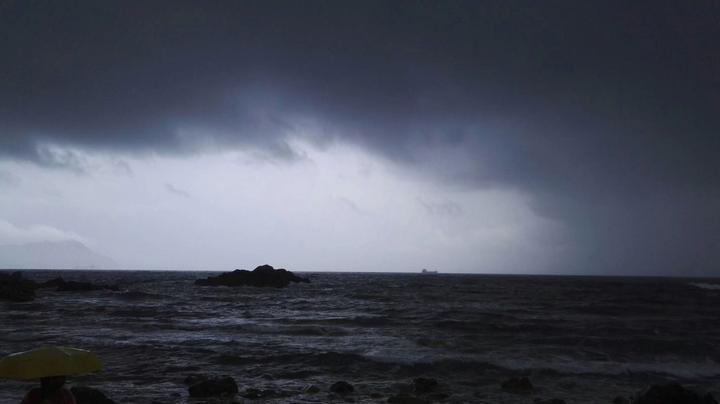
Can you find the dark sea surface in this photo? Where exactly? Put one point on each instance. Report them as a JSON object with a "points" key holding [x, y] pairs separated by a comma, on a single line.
{"points": [[582, 339]]}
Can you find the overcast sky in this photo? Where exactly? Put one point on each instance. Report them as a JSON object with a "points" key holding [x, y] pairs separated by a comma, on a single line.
{"points": [[576, 137]]}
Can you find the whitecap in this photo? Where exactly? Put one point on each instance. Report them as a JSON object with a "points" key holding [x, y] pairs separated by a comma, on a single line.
{"points": [[708, 286]]}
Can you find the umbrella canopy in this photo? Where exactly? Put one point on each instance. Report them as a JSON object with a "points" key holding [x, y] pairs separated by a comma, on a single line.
{"points": [[47, 362]]}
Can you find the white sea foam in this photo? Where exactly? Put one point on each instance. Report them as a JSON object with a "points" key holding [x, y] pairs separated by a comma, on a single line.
{"points": [[678, 368], [709, 286]]}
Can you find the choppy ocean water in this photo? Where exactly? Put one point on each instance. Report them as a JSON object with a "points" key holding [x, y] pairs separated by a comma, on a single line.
{"points": [[582, 339]]}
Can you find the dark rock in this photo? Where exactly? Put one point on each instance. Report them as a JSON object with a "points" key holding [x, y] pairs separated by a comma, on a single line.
{"points": [[312, 389], [342, 387], [519, 385], [194, 379], [213, 387], [406, 399], [621, 400], [438, 396], [672, 393], [375, 395], [262, 276], [252, 394], [89, 395], [74, 286], [424, 385], [551, 401], [15, 288]]}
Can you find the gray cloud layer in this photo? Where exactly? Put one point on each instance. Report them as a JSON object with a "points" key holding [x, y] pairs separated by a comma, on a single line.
{"points": [[603, 112]]}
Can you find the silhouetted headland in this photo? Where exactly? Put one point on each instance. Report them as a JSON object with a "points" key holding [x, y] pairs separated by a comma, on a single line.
{"points": [[16, 288]]}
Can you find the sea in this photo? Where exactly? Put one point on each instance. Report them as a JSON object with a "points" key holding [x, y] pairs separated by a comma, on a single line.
{"points": [[579, 339]]}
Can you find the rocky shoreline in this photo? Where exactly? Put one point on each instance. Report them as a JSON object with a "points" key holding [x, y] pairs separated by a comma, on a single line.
{"points": [[14, 287], [421, 390]]}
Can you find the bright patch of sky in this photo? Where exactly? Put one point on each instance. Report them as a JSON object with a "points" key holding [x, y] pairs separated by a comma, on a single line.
{"points": [[334, 207]]}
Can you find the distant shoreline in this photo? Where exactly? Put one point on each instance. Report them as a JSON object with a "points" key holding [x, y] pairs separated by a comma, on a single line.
{"points": [[492, 275]]}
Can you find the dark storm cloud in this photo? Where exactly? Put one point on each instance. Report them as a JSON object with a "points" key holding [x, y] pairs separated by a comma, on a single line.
{"points": [[604, 112]]}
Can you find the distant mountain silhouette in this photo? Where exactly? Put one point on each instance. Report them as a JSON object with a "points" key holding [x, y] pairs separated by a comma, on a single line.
{"points": [[52, 254]]}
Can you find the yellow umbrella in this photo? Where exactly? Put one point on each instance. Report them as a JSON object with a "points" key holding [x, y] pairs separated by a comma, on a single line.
{"points": [[48, 362]]}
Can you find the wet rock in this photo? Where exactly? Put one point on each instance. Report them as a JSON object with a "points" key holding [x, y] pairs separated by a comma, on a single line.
{"points": [[551, 401], [621, 400], [424, 385], [519, 385], [89, 395], [262, 276], [672, 393], [311, 389], [406, 399], [342, 387], [15, 288], [213, 387]]}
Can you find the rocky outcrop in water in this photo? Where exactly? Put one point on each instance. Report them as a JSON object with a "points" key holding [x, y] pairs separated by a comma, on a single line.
{"points": [[342, 388], [262, 276], [200, 386], [423, 385], [15, 288], [89, 395], [74, 286], [518, 385], [406, 399], [672, 393]]}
